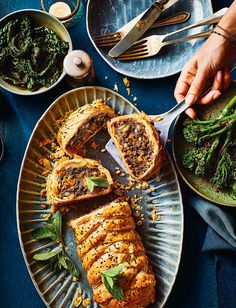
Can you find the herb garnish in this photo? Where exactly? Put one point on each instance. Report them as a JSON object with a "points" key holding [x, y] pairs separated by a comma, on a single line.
{"points": [[30, 57], [57, 257], [96, 181], [110, 281]]}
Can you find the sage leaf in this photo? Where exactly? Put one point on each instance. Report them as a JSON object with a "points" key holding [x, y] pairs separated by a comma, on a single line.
{"points": [[90, 184], [110, 281], [46, 255], [116, 291], [55, 264], [115, 271], [43, 233], [96, 181], [62, 261], [57, 224], [72, 268]]}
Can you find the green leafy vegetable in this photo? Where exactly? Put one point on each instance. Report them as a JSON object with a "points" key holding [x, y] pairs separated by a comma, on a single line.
{"points": [[44, 232], [72, 268], [115, 271], [212, 148], [46, 255], [62, 261], [110, 281], [52, 229], [30, 57], [57, 224], [96, 181], [58, 258]]}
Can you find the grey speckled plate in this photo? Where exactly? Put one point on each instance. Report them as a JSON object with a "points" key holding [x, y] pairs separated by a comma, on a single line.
{"points": [[162, 237], [106, 16], [202, 186]]}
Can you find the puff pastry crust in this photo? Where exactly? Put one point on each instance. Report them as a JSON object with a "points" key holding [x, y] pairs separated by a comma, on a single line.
{"points": [[138, 144], [82, 125], [67, 182], [106, 237]]}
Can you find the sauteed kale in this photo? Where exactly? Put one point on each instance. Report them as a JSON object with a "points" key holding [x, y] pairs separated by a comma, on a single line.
{"points": [[30, 57]]}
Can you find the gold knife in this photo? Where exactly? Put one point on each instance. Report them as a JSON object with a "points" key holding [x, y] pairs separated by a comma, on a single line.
{"points": [[141, 26]]}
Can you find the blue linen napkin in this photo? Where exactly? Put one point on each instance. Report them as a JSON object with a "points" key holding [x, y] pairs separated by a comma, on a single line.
{"points": [[220, 240]]}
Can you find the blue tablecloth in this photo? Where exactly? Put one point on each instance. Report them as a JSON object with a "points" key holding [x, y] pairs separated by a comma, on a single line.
{"points": [[196, 281]]}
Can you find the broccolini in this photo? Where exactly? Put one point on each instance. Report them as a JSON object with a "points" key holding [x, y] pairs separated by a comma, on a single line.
{"points": [[212, 148]]}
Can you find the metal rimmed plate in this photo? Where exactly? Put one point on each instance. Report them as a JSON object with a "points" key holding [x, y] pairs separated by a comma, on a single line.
{"points": [[200, 185], [113, 14], [162, 237]]}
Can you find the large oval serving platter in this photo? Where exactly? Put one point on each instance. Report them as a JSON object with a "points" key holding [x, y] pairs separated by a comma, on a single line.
{"points": [[108, 16], [162, 236]]}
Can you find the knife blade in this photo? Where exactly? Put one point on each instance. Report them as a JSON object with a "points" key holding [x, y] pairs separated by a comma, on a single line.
{"points": [[141, 26]]}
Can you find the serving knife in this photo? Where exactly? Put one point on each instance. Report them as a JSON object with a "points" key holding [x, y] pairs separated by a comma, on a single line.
{"points": [[140, 27], [161, 122]]}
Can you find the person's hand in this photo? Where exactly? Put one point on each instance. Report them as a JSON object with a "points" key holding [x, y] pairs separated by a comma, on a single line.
{"points": [[211, 61]]}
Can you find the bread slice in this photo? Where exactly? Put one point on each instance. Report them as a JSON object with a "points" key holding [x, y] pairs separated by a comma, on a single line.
{"points": [[82, 125], [138, 144], [67, 184]]}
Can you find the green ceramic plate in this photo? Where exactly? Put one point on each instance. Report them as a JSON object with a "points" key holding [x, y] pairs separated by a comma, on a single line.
{"points": [[201, 185]]}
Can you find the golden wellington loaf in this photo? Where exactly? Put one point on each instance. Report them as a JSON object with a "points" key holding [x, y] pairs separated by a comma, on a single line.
{"points": [[68, 182], [138, 144], [107, 238], [82, 125]]}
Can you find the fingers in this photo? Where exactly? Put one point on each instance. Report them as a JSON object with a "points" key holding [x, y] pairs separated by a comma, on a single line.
{"points": [[197, 86], [191, 113], [221, 82], [181, 90], [185, 79], [227, 78], [215, 92], [192, 82]]}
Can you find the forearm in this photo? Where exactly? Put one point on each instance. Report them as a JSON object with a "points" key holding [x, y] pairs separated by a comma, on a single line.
{"points": [[228, 22]]}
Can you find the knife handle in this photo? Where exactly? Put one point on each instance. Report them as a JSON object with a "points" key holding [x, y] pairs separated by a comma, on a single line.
{"points": [[160, 3], [171, 20]]}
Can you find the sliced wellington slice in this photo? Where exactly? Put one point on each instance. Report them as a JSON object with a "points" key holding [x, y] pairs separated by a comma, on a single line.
{"points": [[138, 144], [68, 182], [106, 237], [83, 124]]}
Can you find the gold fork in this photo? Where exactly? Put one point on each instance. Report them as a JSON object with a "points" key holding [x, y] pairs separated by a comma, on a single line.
{"points": [[110, 39], [214, 18], [151, 46]]}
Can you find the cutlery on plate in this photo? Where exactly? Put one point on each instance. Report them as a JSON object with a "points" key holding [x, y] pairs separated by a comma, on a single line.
{"points": [[110, 39], [131, 37], [151, 45], [162, 123], [141, 26]]}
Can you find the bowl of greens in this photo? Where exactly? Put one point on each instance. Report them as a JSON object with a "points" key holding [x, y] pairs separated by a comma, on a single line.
{"points": [[204, 149], [33, 45]]}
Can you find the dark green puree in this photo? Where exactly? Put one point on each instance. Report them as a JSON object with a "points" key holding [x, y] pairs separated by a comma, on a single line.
{"points": [[30, 57]]}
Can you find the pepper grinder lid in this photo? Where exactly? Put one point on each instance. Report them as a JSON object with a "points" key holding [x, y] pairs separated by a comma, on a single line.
{"points": [[77, 63]]}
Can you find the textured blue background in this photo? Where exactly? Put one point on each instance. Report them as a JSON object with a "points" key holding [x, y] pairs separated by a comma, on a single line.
{"points": [[195, 284]]}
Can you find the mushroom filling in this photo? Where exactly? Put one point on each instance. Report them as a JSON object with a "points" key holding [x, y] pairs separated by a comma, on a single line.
{"points": [[135, 145], [87, 131], [72, 181]]}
